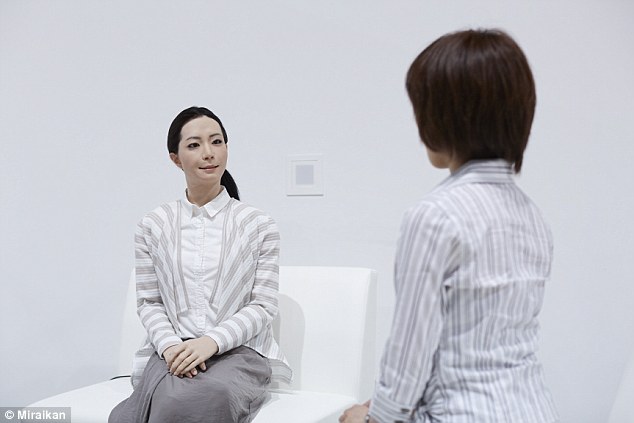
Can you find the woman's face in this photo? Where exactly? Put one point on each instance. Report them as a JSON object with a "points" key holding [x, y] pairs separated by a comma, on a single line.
{"points": [[202, 153]]}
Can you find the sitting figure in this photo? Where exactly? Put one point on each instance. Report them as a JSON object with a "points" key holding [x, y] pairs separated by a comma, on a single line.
{"points": [[207, 293]]}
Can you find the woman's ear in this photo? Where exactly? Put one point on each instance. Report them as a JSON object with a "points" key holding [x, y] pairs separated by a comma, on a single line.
{"points": [[176, 160]]}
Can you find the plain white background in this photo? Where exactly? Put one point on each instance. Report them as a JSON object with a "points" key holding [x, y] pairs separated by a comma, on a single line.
{"points": [[88, 89]]}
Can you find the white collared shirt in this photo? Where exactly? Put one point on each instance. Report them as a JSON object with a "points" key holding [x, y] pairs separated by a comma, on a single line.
{"points": [[201, 239]]}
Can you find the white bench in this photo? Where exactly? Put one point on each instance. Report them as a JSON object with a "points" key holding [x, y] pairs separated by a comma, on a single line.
{"points": [[325, 326]]}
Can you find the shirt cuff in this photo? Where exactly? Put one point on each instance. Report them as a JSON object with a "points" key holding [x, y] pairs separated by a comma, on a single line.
{"points": [[385, 410], [166, 343], [220, 338]]}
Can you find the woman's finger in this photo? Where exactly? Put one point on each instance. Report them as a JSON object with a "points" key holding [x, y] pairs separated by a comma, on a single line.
{"points": [[178, 361], [171, 352], [186, 365], [192, 366]]}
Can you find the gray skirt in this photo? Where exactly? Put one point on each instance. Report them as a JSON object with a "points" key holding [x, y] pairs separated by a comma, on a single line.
{"points": [[231, 390]]}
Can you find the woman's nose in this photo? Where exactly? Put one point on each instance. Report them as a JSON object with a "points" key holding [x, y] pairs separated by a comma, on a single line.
{"points": [[207, 152]]}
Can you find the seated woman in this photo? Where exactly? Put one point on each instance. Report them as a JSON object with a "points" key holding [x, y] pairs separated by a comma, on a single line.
{"points": [[207, 284]]}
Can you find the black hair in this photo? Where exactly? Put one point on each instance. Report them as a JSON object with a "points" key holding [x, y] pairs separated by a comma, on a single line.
{"points": [[174, 138]]}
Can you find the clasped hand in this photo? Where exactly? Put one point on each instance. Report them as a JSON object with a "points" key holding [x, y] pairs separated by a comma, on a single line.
{"points": [[184, 359]]}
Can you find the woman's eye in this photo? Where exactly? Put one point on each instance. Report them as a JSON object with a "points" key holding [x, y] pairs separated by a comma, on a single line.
{"points": [[192, 145], [217, 141]]}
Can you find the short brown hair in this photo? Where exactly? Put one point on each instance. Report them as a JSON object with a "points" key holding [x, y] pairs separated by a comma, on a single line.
{"points": [[473, 96]]}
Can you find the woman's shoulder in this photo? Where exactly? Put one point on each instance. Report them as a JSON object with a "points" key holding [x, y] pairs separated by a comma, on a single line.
{"points": [[247, 215], [436, 208], [246, 211], [163, 213], [428, 209]]}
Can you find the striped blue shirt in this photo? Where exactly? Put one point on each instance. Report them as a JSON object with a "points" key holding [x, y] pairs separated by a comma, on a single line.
{"points": [[472, 260]]}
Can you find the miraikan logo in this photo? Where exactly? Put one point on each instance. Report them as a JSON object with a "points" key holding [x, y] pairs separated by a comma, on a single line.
{"points": [[35, 414]]}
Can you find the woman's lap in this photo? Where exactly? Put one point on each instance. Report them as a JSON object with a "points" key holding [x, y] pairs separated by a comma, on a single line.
{"points": [[232, 389]]}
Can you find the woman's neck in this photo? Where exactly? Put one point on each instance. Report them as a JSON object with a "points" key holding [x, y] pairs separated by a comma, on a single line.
{"points": [[201, 195]]}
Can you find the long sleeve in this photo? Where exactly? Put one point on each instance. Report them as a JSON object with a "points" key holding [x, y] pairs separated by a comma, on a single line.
{"points": [[150, 305], [262, 306], [426, 254]]}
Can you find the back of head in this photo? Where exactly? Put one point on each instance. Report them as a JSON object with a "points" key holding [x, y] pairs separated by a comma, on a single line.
{"points": [[174, 138], [473, 96]]}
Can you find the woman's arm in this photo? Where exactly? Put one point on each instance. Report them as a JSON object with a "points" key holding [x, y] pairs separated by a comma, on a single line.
{"points": [[150, 307], [262, 308], [426, 252]]}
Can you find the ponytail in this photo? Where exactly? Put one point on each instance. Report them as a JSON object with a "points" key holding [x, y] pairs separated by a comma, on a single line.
{"points": [[230, 185]]}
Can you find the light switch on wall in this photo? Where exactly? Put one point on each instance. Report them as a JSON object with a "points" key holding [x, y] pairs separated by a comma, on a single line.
{"points": [[305, 175]]}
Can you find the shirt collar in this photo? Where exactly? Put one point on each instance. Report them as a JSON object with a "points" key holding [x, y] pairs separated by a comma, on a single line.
{"points": [[210, 209], [482, 171]]}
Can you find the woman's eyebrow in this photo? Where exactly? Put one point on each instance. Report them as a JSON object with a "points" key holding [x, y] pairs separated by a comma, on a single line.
{"points": [[198, 138]]}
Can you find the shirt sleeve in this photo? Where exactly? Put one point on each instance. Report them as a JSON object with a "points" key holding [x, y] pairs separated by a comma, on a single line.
{"points": [[262, 306], [150, 307], [425, 255]]}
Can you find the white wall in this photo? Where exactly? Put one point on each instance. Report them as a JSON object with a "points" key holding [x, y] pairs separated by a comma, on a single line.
{"points": [[88, 89]]}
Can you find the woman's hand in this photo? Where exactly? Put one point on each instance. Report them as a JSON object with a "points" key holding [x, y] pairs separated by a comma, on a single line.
{"points": [[356, 413], [182, 359]]}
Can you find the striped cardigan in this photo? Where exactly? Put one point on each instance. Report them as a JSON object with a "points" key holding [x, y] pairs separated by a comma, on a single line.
{"points": [[246, 294]]}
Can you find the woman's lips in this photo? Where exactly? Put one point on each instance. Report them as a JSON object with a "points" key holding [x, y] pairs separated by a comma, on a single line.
{"points": [[209, 169]]}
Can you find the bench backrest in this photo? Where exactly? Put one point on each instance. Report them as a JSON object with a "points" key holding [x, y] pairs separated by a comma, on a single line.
{"points": [[325, 326]]}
